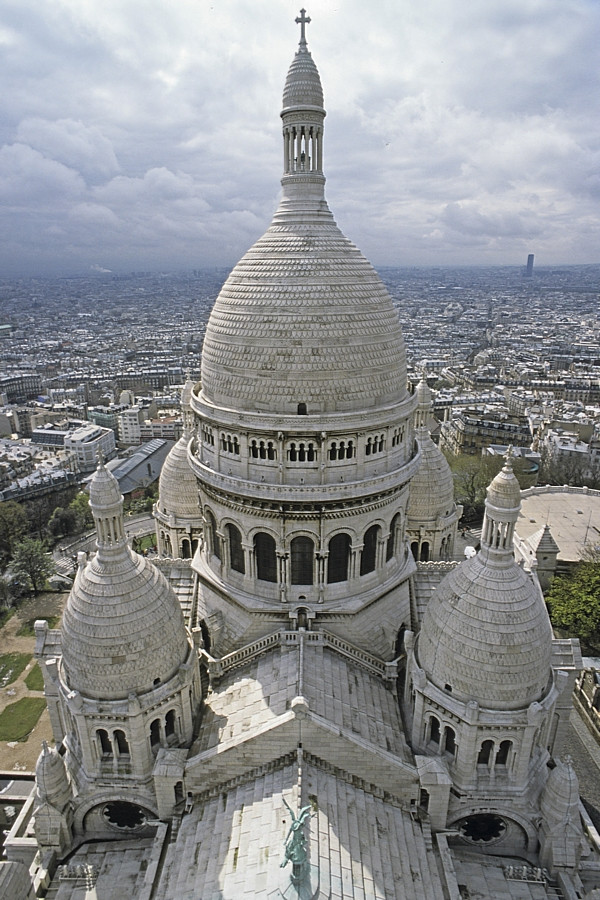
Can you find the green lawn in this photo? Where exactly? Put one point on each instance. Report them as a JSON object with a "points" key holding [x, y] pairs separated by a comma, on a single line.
{"points": [[11, 666], [35, 679], [18, 719], [27, 630], [5, 615]]}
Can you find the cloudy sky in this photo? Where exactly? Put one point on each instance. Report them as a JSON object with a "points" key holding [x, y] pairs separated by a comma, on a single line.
{"points": [[145, 134]]}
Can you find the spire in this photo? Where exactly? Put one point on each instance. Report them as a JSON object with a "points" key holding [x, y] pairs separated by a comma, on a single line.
{"points": [[303, 115], [186, 411], [106, 502], [424, 404], [502, 506]]}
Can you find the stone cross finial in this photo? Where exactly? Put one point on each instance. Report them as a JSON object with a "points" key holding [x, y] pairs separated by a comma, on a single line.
{"points": [[302, 20]]}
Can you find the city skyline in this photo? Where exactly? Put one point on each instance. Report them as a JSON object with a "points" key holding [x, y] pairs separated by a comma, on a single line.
{"points": [[146, 143]]}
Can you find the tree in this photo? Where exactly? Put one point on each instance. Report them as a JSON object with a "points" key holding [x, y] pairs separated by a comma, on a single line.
{"points": [[473, 474], [81, 505], [574, 605], [13, 527], [64, 521], [32, 563]]}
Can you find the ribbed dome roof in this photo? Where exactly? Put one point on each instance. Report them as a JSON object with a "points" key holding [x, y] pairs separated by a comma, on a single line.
{"points": [[560, 798], [504, 492], [432, 488], [303, 317], [52, 784], [177, 485], [303, 83], [122, 627], [487, 635]]}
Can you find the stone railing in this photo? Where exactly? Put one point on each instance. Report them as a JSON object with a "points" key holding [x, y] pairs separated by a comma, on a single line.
{"points": [[558, 489], [219, 667]]}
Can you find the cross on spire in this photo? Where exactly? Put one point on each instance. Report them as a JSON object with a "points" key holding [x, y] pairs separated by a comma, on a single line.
{"points": [[302, 20]]}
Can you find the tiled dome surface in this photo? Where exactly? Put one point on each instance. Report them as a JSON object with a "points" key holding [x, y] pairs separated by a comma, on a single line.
{"points": [[487, 635], [303, 84], [51, 778], [177, 485], [504, 492], [432, 488], [303, 317], [122, 627]]}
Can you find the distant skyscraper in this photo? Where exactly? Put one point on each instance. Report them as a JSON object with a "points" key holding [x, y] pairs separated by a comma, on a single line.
{"points": [[529, 269]]}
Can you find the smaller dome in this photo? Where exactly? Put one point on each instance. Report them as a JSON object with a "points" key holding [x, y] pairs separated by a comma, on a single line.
{"points": [[486, 635], [303, 83], [122, 627], [560, 798], [104, 489], [51, 778], [423, 392], [177, 485], [431, 493], [186, 394], [504, 492]]}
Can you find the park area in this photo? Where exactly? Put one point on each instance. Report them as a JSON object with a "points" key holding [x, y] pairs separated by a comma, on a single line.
{"points": [[24, 721]]}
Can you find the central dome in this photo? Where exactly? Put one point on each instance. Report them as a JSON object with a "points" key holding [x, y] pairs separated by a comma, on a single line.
{"points": [[303, 318], [303, 323]]}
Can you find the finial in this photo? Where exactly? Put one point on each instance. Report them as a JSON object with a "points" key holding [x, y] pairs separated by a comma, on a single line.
{"points": [[509, 457], [302, 20], [100, 458]]}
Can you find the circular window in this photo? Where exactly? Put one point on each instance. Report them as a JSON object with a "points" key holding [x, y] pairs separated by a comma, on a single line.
{"points": [[483, 828], [124, 815]]}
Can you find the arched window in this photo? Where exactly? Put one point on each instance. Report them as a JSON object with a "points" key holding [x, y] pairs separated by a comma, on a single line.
{"points": [[414, 549], [425, 551], [185, 549], [266, 561], [122, 745], [236, 551], [205, 635], [170, 723], [105, 744], [302, 553], [339, 557], [399, 646], [369, 551], [154, 733], [449, 740], [178, 791], [434, 730], [271, 452], [391, 541], [302, 409], [485, 753], [503, 751], [216, 540]]}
